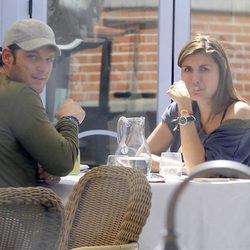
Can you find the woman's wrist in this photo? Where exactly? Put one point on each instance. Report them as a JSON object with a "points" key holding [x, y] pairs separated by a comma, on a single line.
{"points": [[185, 108], [185, 112]]}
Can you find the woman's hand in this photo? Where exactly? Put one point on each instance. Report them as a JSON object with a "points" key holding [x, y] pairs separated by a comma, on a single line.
{"points": [[155, 163], [178, 93]]}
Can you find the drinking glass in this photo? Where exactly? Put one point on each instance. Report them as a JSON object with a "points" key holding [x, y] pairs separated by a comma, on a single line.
{"points": [[76, 168], [118, 160], [171, 166]]}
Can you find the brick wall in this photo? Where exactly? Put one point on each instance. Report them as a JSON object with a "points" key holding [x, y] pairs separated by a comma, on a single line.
{"points": [[134, 55], [134, 59], [234, 34]]}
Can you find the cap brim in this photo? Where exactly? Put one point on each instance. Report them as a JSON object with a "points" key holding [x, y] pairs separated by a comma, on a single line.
{"points": [[38, 43]]}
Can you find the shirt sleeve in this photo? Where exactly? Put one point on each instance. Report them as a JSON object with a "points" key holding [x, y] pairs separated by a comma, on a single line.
{"points": [[55, 148], [169, 116]]}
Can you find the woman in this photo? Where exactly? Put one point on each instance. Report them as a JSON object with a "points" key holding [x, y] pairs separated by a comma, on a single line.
{"points": [[207, 119]]}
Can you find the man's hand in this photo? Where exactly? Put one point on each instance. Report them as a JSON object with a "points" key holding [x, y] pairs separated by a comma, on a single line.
{"points": [[48, 179], [70, 108]]}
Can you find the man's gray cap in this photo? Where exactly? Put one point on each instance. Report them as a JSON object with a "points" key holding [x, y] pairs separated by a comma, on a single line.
{"points": [[30, 34]]}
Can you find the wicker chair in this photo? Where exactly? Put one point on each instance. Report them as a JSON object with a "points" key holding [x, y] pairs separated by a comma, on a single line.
{"points": [[31, 218], [130, 246], [108, 206]]}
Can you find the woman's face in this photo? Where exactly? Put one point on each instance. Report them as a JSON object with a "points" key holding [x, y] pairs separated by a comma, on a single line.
{"points": [[201, 76]]}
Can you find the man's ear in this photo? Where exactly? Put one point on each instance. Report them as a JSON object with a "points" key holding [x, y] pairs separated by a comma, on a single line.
{"points": [[7, 56]]}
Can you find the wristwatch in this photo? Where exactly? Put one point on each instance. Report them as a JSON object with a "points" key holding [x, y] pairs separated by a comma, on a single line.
{"points": [[185, 117], [183, 120], [72, 118]]}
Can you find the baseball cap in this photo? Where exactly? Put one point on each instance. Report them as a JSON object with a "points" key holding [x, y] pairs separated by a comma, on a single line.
{"points": [[30, 34]]}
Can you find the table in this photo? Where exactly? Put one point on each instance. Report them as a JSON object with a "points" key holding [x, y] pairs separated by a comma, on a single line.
{"points": [[209, 215]]}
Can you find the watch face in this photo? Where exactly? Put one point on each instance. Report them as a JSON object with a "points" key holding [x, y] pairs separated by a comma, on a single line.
{"points": [[182, 120]]}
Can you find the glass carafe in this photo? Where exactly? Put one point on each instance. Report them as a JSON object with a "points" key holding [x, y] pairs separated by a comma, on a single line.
{"points": [[132, 143]]}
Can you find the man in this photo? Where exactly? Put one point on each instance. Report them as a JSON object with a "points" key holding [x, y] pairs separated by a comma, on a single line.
{"points": [[27, 138]]}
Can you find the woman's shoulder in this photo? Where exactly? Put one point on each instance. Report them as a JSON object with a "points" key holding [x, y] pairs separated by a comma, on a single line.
{"points": [[239, 110]]}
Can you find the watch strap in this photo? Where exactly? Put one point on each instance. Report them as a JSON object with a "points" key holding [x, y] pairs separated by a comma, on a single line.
{"points": [[72, 118], [183, 120]]}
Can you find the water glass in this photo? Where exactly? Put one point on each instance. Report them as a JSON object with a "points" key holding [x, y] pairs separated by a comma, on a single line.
{"points": [[140, 163], [118, 160], [171, 166]]}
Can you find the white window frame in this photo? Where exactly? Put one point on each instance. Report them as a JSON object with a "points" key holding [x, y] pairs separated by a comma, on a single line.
{"points": [[169, 46]]}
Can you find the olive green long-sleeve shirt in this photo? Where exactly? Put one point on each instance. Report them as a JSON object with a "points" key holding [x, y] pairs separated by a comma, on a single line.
{"points": [[27, 137]]}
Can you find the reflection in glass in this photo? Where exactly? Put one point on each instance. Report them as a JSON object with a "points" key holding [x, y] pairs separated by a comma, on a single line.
{"points": [[108, 64]]}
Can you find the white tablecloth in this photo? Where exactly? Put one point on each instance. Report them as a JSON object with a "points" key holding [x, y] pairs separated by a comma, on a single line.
{"points": [[209, 216]]}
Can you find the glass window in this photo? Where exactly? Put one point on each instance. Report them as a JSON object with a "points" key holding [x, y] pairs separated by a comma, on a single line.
{"points": [[109, 64], [228, 21]]}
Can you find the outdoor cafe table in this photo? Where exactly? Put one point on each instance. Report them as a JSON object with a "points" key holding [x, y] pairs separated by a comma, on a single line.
{"points": [[209, 215]]}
